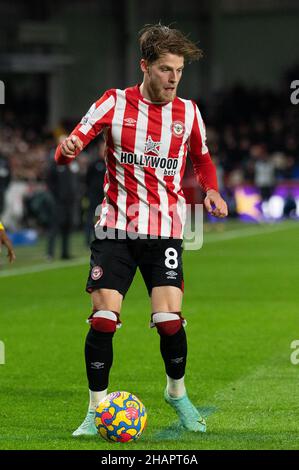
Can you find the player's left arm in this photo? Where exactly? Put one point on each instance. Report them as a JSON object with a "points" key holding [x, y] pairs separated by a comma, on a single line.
{"points": [[204, 168], [215, 204]]}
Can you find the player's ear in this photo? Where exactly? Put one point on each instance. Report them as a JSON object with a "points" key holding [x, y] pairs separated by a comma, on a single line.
{"points": [[144, 65]]}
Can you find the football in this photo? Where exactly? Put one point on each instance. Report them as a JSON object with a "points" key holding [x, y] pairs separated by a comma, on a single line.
{"points": [[120, 417]]}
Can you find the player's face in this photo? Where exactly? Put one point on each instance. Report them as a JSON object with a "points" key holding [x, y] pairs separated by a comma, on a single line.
{"points": [[161, 78]]}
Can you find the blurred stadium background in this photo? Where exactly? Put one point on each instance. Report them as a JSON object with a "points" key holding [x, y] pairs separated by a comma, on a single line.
{"points": [[56, 58]]}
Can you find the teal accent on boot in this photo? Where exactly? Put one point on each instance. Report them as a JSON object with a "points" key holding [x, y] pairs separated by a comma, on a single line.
{"points": [[187, 413], [88, 427]]}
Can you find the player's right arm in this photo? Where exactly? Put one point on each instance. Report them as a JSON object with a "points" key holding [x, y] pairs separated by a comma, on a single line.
{"points": [[98, 117], [71, 146]]}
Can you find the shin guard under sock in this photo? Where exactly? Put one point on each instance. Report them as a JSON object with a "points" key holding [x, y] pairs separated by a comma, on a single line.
{"points": [[98, 359], [174, 352]]}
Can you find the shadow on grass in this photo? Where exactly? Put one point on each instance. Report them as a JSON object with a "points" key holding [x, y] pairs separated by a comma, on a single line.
{"points": [[176, 431]]}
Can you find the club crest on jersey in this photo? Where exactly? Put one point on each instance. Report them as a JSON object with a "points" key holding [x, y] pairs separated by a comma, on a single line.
{"points": [[177, 128], [152, 146], [96, 273]]}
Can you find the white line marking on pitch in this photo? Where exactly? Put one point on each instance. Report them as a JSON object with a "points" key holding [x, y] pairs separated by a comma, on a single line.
{"points": [[208, 238], [44, 267], [247, 232]]}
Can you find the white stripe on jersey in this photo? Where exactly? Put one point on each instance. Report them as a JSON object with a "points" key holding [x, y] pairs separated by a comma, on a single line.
{"points": [[189, 118], [104, 206], [165, 139], [116, 129], [95, 114], [141, 131], [202, 130]]}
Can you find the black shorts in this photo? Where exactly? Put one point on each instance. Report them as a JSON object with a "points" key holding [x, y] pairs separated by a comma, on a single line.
{"points": [[113, 263]]}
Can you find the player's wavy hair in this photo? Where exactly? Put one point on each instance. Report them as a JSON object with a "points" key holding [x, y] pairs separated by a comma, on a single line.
{"points": [[156, 40]]}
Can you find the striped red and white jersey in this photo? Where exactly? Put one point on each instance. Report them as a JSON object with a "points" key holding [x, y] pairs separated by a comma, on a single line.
{"points": [[146, 150]]}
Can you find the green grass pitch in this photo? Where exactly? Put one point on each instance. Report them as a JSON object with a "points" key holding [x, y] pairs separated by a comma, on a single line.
{"points": [[241, 302]]}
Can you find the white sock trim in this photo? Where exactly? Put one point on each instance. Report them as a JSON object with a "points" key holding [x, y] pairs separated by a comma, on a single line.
{"points": [[108, 314], [160, 317], [105, 314], [95, 398], [176, 388]]}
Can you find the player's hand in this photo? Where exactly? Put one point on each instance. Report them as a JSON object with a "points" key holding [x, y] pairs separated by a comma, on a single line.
{"points": [[11, 256], [214, 204], [71, 145]]}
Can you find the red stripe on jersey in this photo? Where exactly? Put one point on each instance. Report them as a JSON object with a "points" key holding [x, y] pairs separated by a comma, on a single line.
{"points": [[204, 168], [150, 178]]}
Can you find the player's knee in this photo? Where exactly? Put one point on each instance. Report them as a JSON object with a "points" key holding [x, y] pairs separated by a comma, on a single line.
{"points": [[104, 321], [167, 323]]}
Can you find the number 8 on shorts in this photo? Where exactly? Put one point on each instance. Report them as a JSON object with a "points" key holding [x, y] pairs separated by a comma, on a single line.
{"points": [[171, 258]]}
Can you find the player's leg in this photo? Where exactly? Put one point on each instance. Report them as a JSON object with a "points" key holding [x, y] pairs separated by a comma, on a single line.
{"points": [[111, 273], [66, 222], [162, 270], [166, 317], [106, 305], [52, 234]]}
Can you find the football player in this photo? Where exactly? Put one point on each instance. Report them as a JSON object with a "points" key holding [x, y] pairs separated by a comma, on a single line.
{"points": [[149, 132]]}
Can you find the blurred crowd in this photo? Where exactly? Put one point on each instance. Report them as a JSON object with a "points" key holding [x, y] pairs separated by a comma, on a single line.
{"points": [[252, 137], [36, 193]]}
